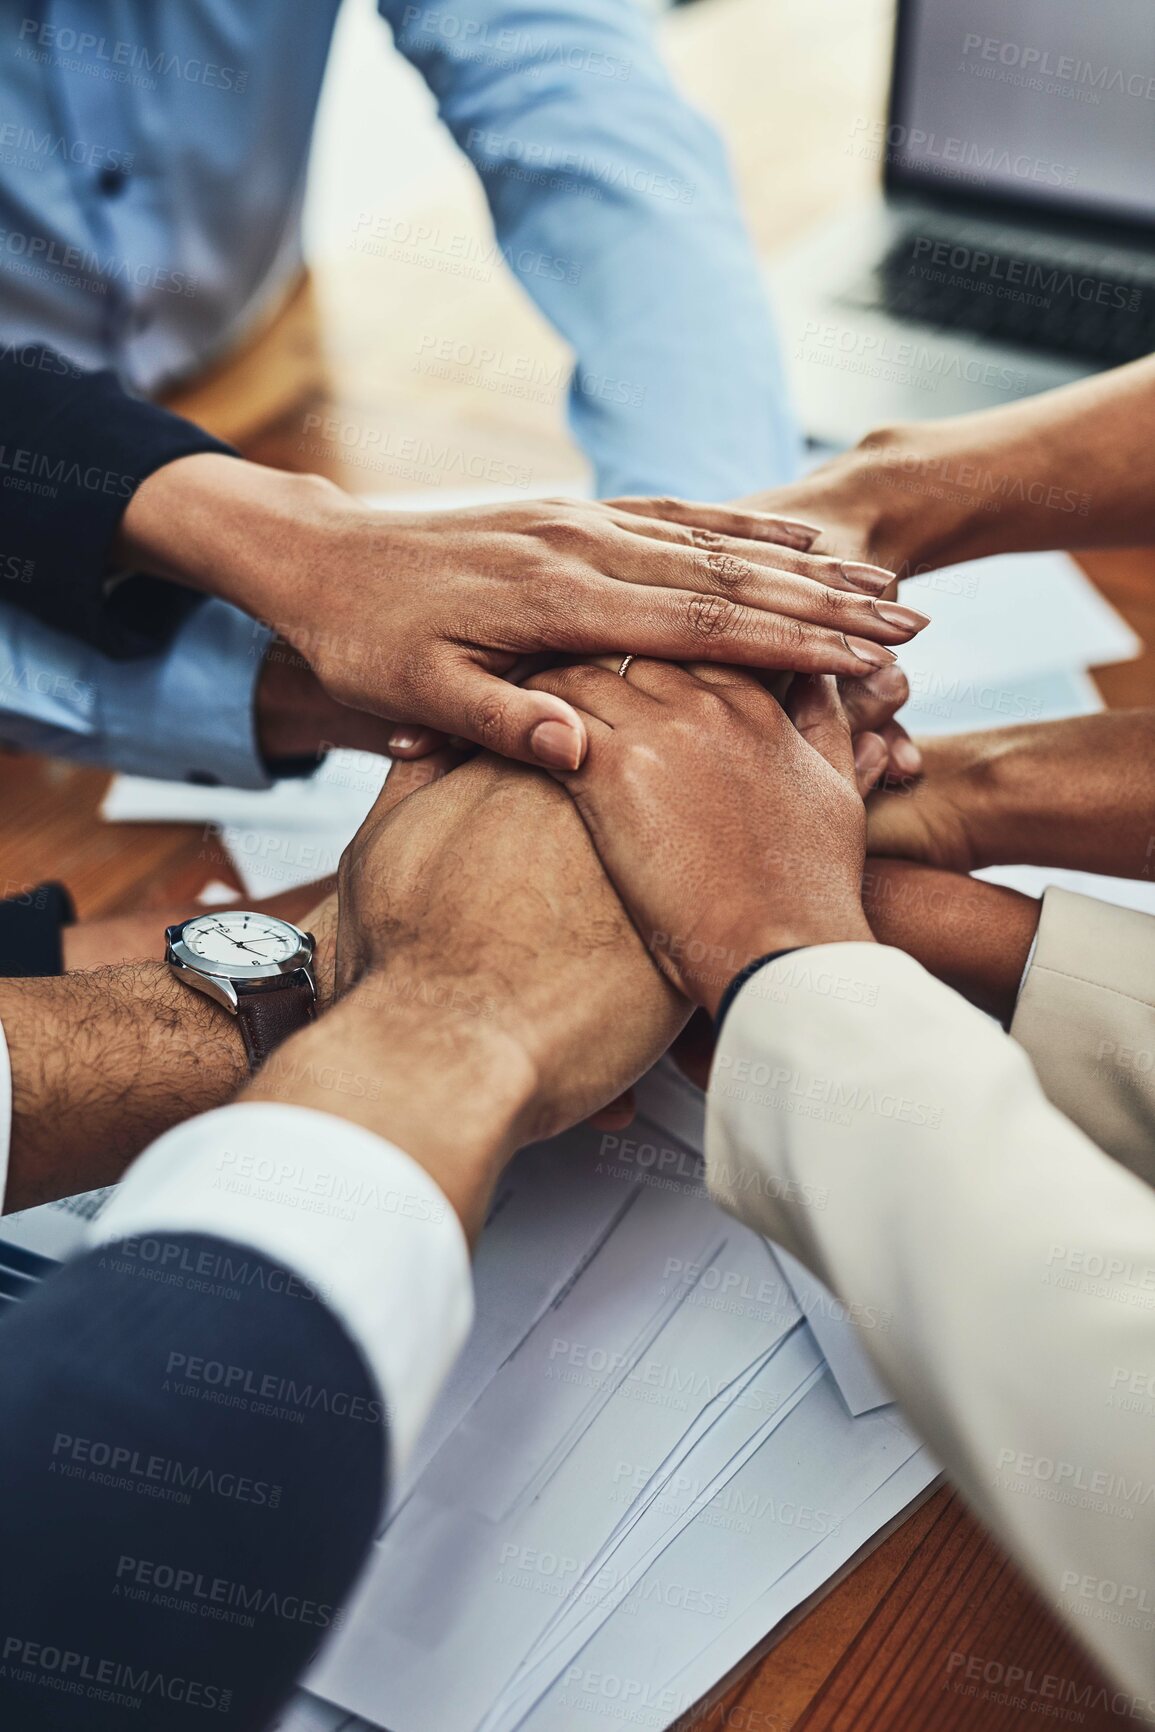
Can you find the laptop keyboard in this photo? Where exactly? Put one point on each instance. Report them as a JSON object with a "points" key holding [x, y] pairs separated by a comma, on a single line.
{"points": [[1033, 301]]}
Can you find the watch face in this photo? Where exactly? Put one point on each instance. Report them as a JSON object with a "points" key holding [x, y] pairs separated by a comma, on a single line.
{"points": [[232, 942]]}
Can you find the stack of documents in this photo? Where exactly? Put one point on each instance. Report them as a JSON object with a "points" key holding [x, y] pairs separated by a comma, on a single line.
{"points": [[663, 1436]]}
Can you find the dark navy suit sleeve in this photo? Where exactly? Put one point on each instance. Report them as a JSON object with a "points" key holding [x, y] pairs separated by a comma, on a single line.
{"points": [[74, 447], [193, 1462]]}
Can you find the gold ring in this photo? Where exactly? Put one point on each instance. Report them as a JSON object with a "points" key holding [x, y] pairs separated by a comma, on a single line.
{"points": [[624, 669]]}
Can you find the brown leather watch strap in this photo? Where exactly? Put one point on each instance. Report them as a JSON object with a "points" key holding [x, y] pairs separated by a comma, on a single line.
{"points": [[267, 1018]]}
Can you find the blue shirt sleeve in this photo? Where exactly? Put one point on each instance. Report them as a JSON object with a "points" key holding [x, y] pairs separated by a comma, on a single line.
{"points": [[614, 207], [186, 713]]}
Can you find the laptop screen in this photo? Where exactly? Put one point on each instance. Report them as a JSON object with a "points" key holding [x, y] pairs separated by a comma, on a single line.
{"points": [[1049, 103]]}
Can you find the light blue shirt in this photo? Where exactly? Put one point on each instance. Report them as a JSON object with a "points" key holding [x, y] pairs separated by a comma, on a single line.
{"points": [[153, 156]]}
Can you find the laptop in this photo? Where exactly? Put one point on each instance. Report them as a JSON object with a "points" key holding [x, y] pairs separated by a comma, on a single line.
{"points": [[1011, 247]]}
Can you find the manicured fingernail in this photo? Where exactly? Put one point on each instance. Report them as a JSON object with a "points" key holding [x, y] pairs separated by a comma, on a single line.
{"points": [[871, 577], [557, 744], [905, 618], [874, 653], [869, 753], [402, 741], [803, 534], [906, 757]]}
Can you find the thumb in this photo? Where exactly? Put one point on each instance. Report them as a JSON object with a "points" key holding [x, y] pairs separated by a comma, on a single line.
{"points": [[815, 707], [534, 727]]}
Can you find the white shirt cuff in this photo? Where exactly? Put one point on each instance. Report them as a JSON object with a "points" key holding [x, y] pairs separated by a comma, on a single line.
{"points": [[5, 1113], [347, 1211]]}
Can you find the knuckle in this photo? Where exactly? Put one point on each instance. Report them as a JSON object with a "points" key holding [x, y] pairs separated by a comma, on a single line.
{"points": [[490, 717], [727, 572], [708, 540], [788, 635], [713, 616], [566, 533], [838, 604]]}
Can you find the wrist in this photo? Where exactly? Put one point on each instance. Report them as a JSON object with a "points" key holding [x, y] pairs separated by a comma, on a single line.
{"points": [[422, 1062], [974, 936], [771, 938], [228, 527], [917, 521]]}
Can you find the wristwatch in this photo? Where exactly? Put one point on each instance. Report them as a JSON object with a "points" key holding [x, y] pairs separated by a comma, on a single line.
{"points": [[258, 967]]}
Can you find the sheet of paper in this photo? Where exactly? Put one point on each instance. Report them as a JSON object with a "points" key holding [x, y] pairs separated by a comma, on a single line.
{"points": [[858, 1383], [997, 622], [700, 1674], [807, 1479], [1033, 880], [699, 1482], [455, 1597]]}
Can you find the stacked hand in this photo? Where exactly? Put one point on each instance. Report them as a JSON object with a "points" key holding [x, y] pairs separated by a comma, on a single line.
{"points": [[730, 827], [415, 618]]}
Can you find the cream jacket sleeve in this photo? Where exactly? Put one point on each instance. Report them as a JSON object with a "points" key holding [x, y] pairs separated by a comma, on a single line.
{"points": [[871, 1121], [1086, 1015]]}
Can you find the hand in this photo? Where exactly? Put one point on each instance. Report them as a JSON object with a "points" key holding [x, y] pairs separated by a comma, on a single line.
{"points": [[916, 497], [727, 831], [297, 718], [1076, 793], [882, 746], [974, 936], [494, 989], [418, 616], [938, 819]]}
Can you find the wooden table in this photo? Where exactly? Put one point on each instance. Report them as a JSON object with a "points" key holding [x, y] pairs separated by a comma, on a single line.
{"points": [[888, 1649]]}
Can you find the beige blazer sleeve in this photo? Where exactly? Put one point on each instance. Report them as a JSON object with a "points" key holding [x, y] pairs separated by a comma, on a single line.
{"points": [[890, 1135], [1086, 1015]]}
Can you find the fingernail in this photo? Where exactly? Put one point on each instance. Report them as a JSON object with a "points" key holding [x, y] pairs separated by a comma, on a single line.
{"points": [[874, 653], [805, 534], [401, 741], [557, 744], [871, 577], [905, 618], [869, 752], [906, 757]]}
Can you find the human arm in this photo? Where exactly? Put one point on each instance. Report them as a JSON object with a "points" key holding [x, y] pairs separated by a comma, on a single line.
{"points": [[613, 203], [1065, 469], [288, 1244], [418, 616], [1070, 976], [218, 703], [885, 1132], [1073, 793]]}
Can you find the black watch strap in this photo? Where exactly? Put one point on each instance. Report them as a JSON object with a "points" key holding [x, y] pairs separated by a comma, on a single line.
{"points": [[268, 1018]]}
